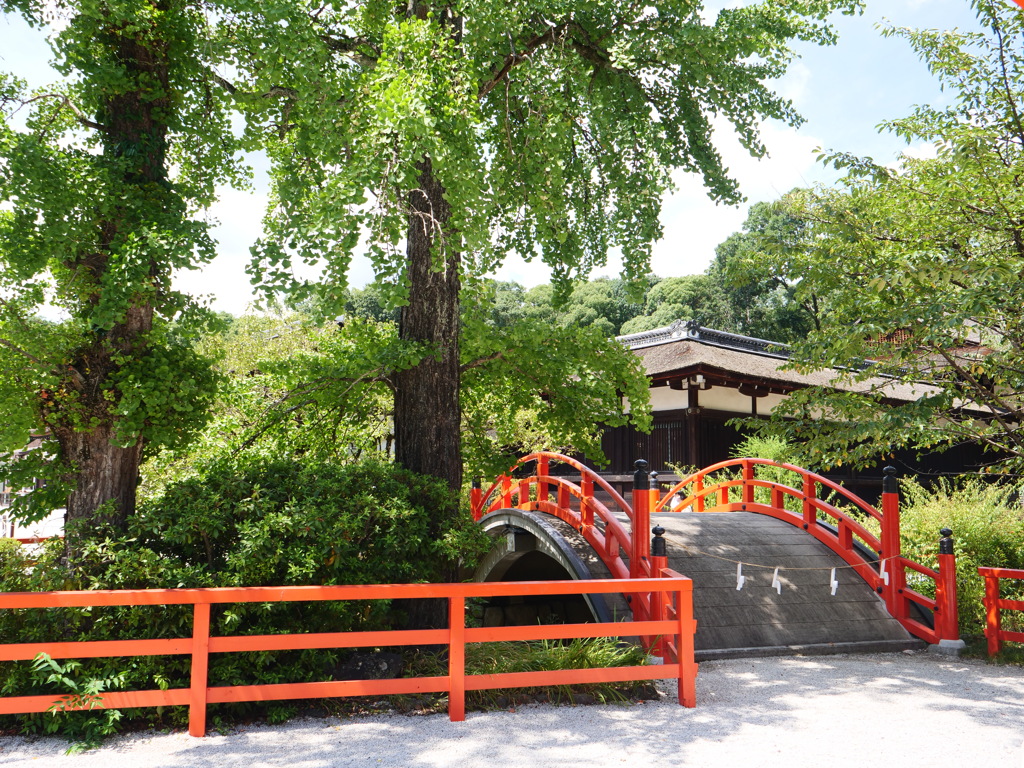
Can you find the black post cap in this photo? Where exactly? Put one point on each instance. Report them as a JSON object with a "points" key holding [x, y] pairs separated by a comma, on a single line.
{"points": [[658, 542], [889, 483], [946, 542], [641, 480], [476, 482]]}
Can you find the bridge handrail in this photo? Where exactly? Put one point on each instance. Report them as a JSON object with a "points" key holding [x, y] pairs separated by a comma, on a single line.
{"points": [[678, 626], [884, 569], [585, 471], [804, 473], [995, 605], [816, 504]]}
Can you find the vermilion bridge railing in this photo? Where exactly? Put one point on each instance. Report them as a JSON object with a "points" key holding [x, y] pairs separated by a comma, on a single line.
{"points": [[674, 629], [577, 505], [737, 486]]}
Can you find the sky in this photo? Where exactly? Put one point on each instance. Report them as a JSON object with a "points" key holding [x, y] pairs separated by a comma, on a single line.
{"points": [[844, 92]]}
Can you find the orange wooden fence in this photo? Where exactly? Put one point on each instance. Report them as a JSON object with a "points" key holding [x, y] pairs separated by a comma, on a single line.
{"points": [[995, 605], [674, 628]]}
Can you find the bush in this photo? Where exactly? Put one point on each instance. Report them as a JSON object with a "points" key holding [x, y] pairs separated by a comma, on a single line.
{"points": [[988, 530], [252, 523]]}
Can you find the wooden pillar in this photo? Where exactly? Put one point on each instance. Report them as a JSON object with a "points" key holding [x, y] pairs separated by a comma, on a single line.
{"points": [[693, 424]]}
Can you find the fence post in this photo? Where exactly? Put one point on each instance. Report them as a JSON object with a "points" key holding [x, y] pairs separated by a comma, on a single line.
{"points": [[891, 547], [476, 499], [200, 669], [457, 659], [659, 612], [641, 521], [993, 618], [947, 623], [685, 627]]}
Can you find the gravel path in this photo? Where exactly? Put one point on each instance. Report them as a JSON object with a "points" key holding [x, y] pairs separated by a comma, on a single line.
{"points": [[908, 709]]}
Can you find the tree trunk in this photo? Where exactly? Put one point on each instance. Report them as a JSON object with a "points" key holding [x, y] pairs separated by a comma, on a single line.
{"points": [[105, 473], [83, 420], [428, 417]]}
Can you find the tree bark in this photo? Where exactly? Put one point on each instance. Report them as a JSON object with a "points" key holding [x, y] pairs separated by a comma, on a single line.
{"points": [[428, 417]]}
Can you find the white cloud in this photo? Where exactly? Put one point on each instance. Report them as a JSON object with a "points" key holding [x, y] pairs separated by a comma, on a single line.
{"points": [[924, 150]]}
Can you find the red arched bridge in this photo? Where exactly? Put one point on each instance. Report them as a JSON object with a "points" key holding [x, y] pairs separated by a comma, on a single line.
{"points": [[797, 564]]}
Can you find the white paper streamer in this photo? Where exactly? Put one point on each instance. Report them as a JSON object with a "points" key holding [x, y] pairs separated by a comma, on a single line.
{"points": [[740, 578], [833, 583], [776, 583], [884, 574]]}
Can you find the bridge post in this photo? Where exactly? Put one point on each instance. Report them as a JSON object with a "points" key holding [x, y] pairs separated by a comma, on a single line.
{"points": [[543, 470], [655, 493], [891, 547], [947, 625], [638, 559], [748, 482], [506, 491], [659, 600], [586, 497], [476, 499]]}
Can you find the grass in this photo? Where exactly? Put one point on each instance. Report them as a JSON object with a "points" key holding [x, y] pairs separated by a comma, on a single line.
{"points": [[977, 648], [498, 658]]}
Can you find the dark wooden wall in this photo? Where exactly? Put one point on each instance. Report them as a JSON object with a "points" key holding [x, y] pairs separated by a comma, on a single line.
{"points": [[677, 437]]}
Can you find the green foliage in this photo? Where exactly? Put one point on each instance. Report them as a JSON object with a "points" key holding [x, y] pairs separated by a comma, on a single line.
{"points": [[89, 732], [756, 275], [988, 530], [526, 387], [290, 387], [244, 523], [921, 266], [540, 656], [561, 159], [264, 522], [693, 297], [768, 447]]}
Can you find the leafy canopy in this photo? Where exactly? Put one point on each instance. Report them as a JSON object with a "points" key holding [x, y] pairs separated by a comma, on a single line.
{"points": [[552, 127], [923, 265]]}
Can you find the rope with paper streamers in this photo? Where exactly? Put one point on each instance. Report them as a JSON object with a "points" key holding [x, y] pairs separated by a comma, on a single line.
{"points": [[776, 583]]}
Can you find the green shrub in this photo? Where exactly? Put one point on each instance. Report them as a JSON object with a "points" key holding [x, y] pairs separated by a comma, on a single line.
{"points": [[252, 523], [988, 530]]}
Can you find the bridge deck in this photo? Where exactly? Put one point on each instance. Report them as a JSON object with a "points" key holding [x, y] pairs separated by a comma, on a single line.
{"points": [[805, 617]]}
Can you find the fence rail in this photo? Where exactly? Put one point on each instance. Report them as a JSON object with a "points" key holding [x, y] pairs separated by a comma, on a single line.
{"points": [[995, 605], [674, 628]]}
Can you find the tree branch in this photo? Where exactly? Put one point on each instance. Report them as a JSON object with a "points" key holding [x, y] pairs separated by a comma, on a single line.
{"points": [[70, 105], [579, 42], [351, 47], [482, 361], [28, 355]]}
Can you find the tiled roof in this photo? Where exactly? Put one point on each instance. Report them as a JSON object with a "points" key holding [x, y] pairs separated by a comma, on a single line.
{"points": [[687, 345]]}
